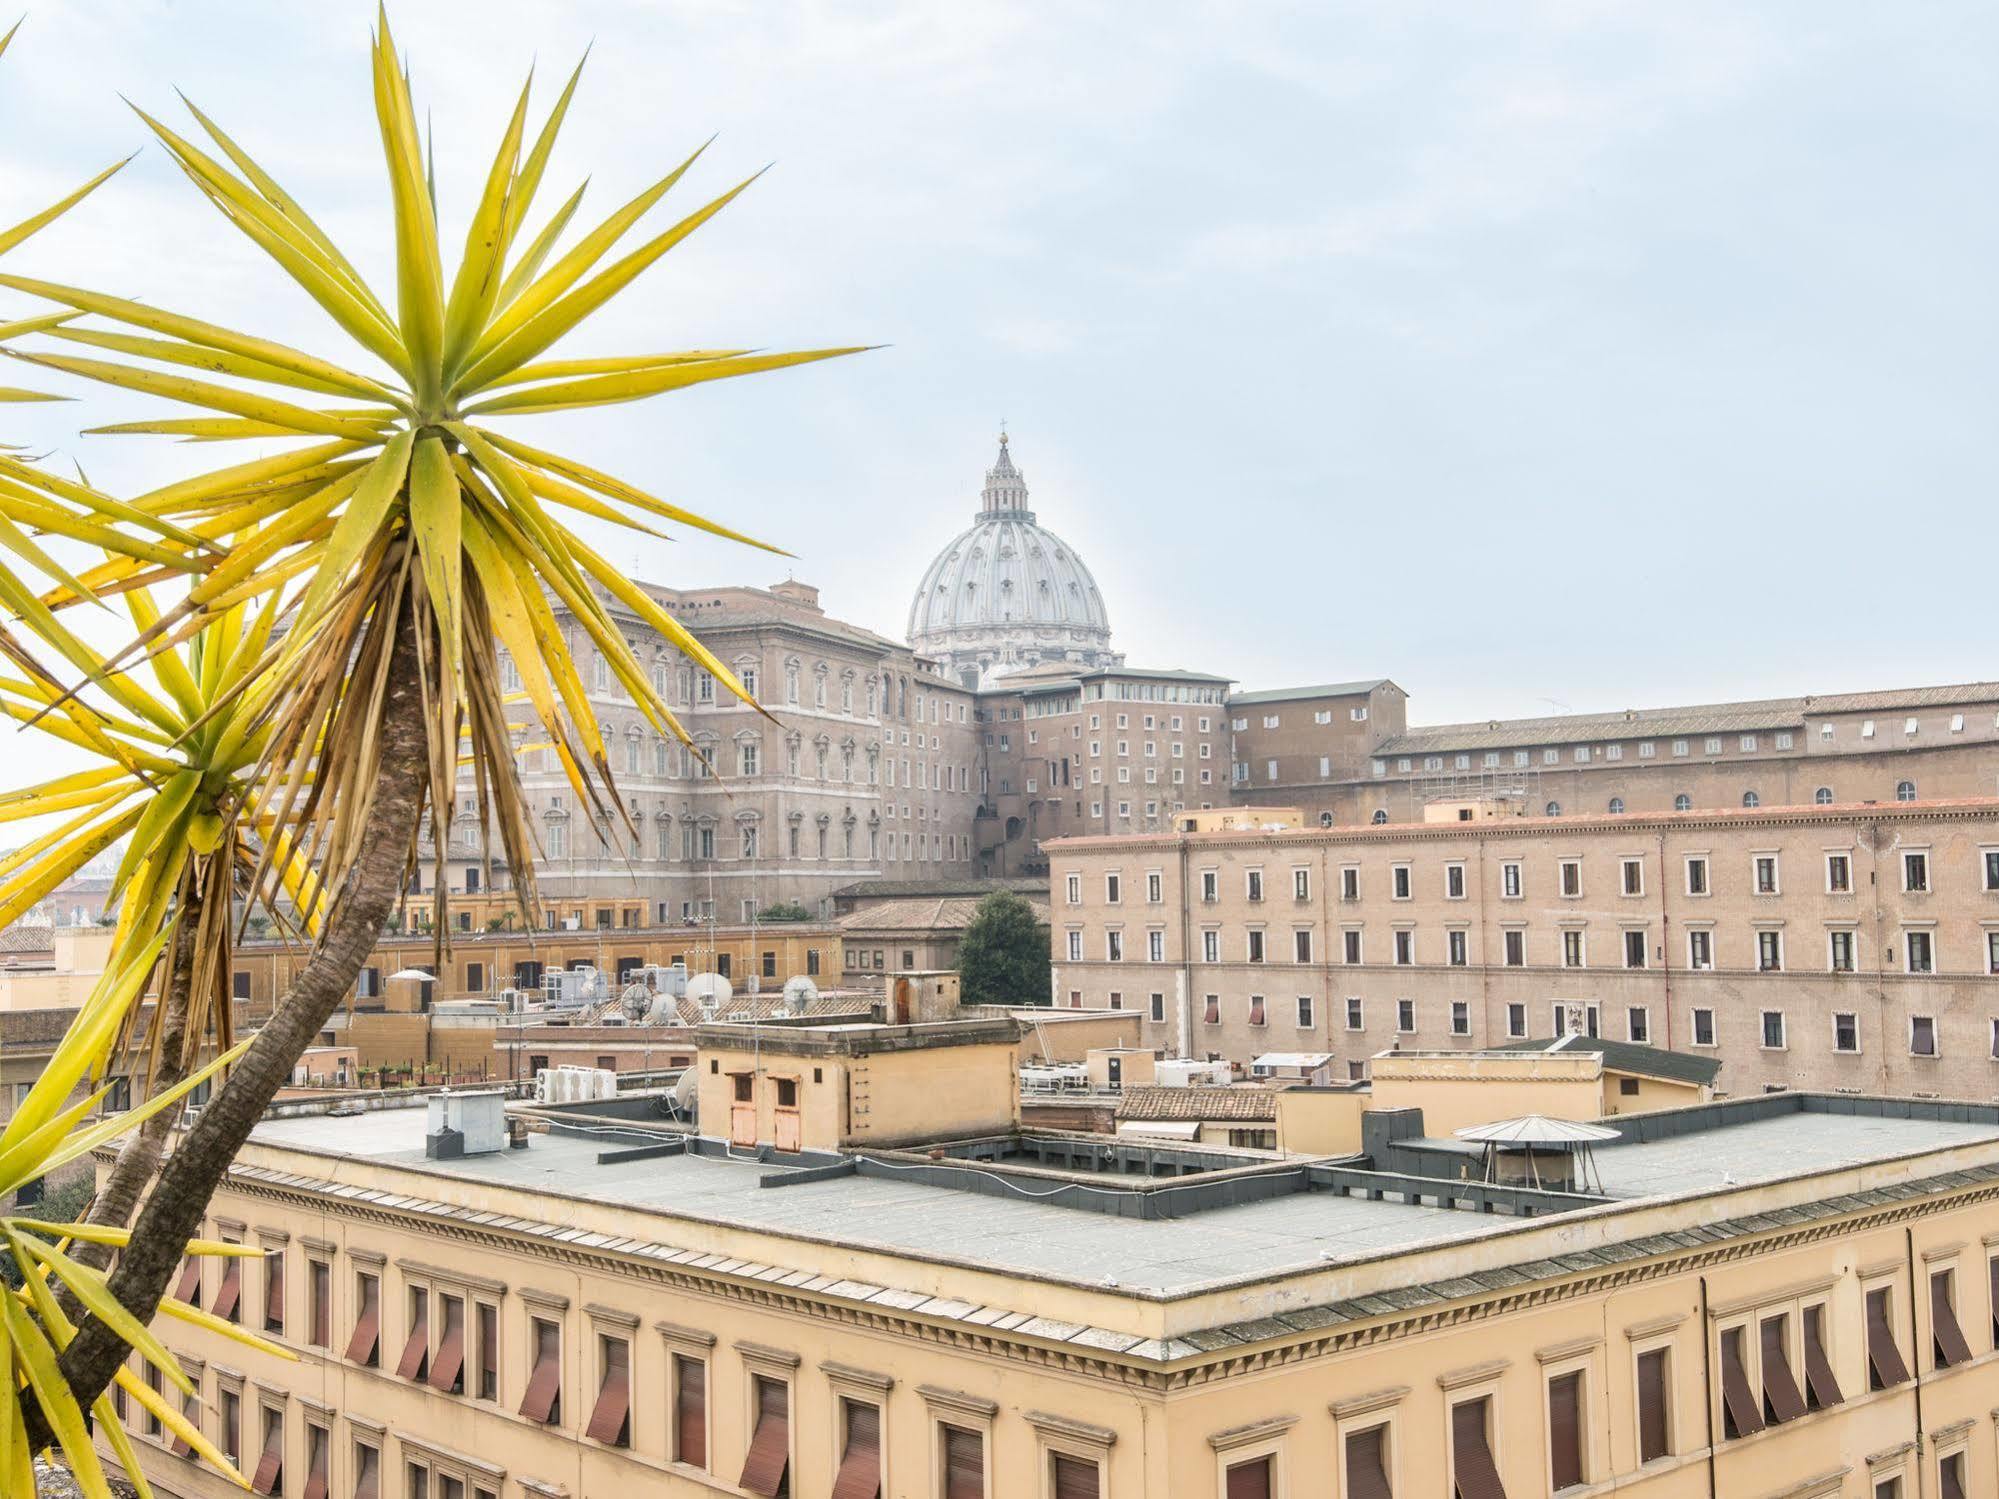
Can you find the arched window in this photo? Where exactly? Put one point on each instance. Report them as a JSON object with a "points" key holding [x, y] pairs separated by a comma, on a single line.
{"points": [[1554, 809], [1905, 791], [1823, 796], [1683, 803], [1325, 819], [1616, 804], [1751, 799], [1380, 817]]}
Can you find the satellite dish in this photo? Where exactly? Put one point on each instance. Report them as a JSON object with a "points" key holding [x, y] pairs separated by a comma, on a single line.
{"points": [[686, 1090], [636, 1001], [710, 990], [799, 992]]}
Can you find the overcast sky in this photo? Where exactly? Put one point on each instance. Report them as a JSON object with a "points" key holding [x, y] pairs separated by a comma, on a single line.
{"points": [[1535, 355]]}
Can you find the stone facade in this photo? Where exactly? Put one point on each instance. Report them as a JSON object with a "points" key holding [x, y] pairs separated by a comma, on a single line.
{"points": [[1870, 934]]}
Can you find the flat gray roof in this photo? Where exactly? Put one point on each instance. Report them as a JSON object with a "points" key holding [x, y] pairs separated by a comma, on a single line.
{"points": [[1170, 1256]]}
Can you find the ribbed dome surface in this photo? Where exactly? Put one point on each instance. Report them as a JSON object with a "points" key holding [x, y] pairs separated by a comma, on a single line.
{"points": [[1006, 581]]}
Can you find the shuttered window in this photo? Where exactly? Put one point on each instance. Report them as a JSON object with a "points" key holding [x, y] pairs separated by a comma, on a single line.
{"points": [[1950, 1476], [274, 1290], [188, 1287], [1565, 1431], [270, 1475], [964, 1464], [1074, 1477], [362, 1347], [764, 1467], [1946, 1337], [316, 1443], [416, 1350], [1821, 1388], [1884, 1360], [1367, 1464], [1740, 1413], [231, 1291], [1781, 1400], [1474, 1474], [319, 1303], [690, 1411], [611, 1417], [543, 1401], [1249, 1480], [860, 1472], [447, 1370], [367, 1473], [1992, 1284], [1654, 1439]]}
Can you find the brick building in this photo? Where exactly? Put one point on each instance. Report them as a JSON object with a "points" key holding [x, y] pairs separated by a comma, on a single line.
{"points": [[1843, 947]]}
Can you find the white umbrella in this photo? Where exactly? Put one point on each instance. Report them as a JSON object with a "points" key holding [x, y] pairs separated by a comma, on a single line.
{"points": [[414, 973], [1536, 1129]]}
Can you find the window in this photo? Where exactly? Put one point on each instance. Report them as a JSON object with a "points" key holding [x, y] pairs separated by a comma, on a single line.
{"points": [[1634, 949], [365, 1345], [543, 1400], [1255, 945], [1572, 877], [1075, 947], [1823, 796], [1697, 883], [1769, 951], [1841, 943], [768, 1461], [1516, 1020], [319, 1303], [1155, 888], [1301, 946], [1634, 876], [1838, 874], [229, 1430], [1683, 803], [1405, 1015], [1916, 872], [1366, 1457], [1454, 882], [1350, 878], [1114, 945], [1113, 889], [1703, 1027], [1773, 1030], [1509, 881], [1405, 948], [270, 1475], [1455, 947], [1380, 817], [229, 1294], [1155, 947], [1950, 1476], [1700, 948], [1885, 1368], [963, 1460], [1253, 884], [1074, 886], [1354, 1015], [415, 1363], [1211, 1013], [1821, 1388], [1765, 867], [611, 1416], [1516, 949], [1751, 799], [1616, 805], [486, 1357], [1256, 1009], [447, 1368], [1208, 879], [1922, 1036], [1638, 1024], [1782, 1400], [274, 1291], [1304, 1011], [1352, 946], [860, 1451], [1918, 952], [1399, 884], [1072, 1477], [1460, 1017], [1741, 1412], [1655, 1438], [1572, 949], [1991, 868], [1472, 1466], [1553, 809], [1158, 1009], [1905, 791], [1947, 1345], [1565, 1431], [1845, 1031]]}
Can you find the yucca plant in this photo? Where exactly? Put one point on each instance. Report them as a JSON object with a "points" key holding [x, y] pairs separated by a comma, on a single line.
{"points": [[405, 538]]}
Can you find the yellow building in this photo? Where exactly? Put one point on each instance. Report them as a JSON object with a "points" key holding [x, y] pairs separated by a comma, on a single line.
{"points": [[1788, 1294]]}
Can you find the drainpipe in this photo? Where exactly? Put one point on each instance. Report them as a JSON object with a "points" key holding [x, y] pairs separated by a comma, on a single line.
{"points": [[1915, 1354], [1707, 1388], [1182, 1020]]}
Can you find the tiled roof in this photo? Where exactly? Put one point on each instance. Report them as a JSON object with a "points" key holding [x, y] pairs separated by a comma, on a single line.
{"points": [[1629, 1056], [951, 913], [884, 889], [1298, 694], [28, 935], [1231, 1104], [1708, 718]]}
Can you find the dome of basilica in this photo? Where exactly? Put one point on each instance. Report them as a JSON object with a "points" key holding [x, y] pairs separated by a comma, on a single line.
{"points": [[1007, 593]]}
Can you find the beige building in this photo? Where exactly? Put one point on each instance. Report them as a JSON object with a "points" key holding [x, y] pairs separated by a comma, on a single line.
{"points": [[1784, 1295], [1849, 948]]}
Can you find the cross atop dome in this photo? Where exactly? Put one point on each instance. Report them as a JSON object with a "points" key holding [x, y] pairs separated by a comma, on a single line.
{"points": [[1006, 487]]}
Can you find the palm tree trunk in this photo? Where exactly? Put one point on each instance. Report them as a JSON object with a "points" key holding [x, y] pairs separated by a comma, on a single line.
{"points": [[139, 1156], [174, 1210]]}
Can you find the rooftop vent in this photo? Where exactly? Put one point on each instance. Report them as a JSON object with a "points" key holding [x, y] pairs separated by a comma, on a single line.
{"points": [[471, 1122]]}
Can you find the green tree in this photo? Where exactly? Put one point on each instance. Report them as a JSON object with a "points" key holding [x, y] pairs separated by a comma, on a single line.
{"points": [[1004, 957]]}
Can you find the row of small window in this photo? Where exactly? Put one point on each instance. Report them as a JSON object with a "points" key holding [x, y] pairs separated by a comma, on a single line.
{"points": [[1150, 722], [698, 840], [1319, 716]]}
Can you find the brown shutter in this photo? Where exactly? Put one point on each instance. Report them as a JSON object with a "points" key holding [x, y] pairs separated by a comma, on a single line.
{"points": [[315, 1478], [444, 1368], [614, 1396], [368, 1329], [545, 1380], [690, 1411], [964, 1464], [1944, 1332], [1075, 1477], [270, 1466], [770, 1443], [188, 1287], [1884, 1359], [1367, 1464], [274, 1289], [232, 1289], [1565, 1431], [1781, 1400], [1652, 1426], [190, 1409], [1992, 1296], [860, 1473], [1950, 1477], [1471, 1456], [1741, 1413], [1250, 1480], [1821, 1388], [368, 1478], [417, 1349]]}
